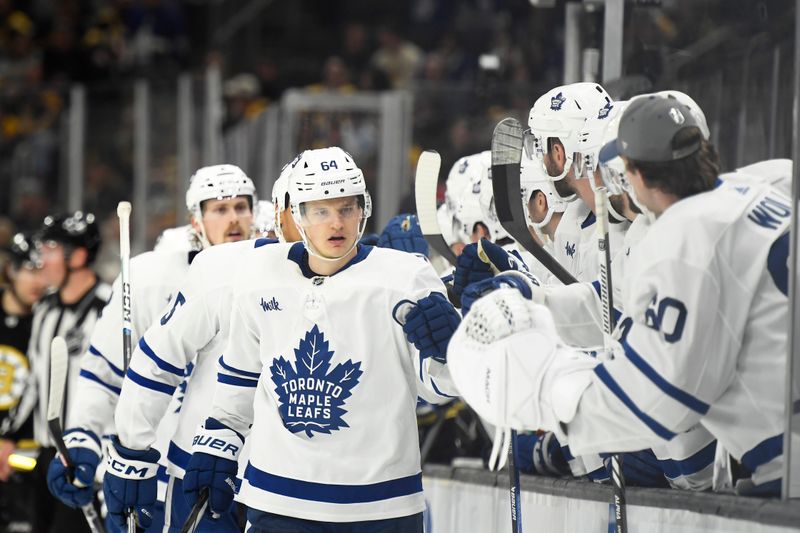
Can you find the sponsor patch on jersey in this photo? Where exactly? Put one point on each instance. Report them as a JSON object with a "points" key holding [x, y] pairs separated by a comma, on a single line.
{"points": [[570, 249], [311, 395]]}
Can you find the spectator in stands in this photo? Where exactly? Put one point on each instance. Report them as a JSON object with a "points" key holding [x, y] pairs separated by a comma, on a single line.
{"points": [[398, 58]]}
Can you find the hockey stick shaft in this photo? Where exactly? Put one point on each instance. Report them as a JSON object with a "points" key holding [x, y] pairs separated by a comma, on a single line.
{"points": [[513, 471], [124, 214], [425, 183], [59, 364], [198, 510], [607, 298]]}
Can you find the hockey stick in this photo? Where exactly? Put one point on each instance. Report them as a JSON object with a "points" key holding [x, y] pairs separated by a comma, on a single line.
{"points": [[124, 214], [513, 471], [196, 515], [618, 520], [425, 183], [59, 365], [506, 157]]}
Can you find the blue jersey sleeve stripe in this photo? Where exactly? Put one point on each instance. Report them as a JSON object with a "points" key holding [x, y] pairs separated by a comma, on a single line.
{"points": [[254, 375], [763, 453], [693, 403], [117, 371], [160, 363], [675, 468], [148, 383], [178, 456], [440, 393], [329, 493], [612, 385], [92, 377], [236, 381]]}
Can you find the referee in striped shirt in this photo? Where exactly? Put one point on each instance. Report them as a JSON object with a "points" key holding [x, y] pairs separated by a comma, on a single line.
{"points": [[67, 245]]}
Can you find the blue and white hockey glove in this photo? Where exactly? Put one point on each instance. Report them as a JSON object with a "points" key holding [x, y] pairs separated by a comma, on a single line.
{"points": [[403, 233], [515, 280], [470, 268], [541, 454], [430, 324], [130, 483], [215, 450], [369, 239], [84, 450]]}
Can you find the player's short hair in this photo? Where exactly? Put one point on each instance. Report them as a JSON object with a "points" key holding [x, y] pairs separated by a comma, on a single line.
{"points": [[684, 177]]}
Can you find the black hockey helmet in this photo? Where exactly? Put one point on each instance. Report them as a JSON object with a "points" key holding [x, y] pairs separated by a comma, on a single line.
{"points": [[22, 251], [75, 230]]}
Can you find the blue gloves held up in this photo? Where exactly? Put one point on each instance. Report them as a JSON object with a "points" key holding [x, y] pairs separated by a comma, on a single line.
{"points": [[130, 483], [74, 487], [470, 268], [403, 233], [430, 324], [482, 288], [215, 451]]}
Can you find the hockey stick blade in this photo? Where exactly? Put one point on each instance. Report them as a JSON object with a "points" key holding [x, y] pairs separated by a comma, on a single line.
{"points": [[425, 183], [506, 157], [59, 363], [198, 510]]}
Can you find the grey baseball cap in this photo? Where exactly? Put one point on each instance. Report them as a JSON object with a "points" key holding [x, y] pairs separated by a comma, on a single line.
{"points": [[647, 130]]}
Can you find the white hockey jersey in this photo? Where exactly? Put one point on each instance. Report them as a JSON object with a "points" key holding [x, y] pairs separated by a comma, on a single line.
{"points": [[704, 334], [191, 331], [327, 378]]}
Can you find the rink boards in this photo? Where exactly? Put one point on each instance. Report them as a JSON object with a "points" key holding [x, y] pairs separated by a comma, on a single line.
{"points": [[474, 501]]}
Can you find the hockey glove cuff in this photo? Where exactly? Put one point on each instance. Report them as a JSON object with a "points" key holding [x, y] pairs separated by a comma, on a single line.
{"points": [[215, 451], [403, 233], [130, 483]]}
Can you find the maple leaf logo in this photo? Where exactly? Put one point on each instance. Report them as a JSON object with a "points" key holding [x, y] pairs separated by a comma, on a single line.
{"points": [[312, 396]]}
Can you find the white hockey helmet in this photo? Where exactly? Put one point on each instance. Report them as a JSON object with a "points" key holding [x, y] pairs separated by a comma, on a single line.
{"points": [[534, 178], [457, 180], [468, 211], [561, 113], [596, 132], [216, 182], [263, 218], [325, 174], [488, 210], [279, 191]]}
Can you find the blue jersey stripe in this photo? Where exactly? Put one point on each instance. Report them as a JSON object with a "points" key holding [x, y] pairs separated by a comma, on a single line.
{"points": [[666, 387], [675, 468], [88, 375], [612, 385], [233, 380], [328, 493], [440, 393], [148, 383], [161, 474], [254, 375], [160, 363], [178, 456], [117, 371], [763, 453]]}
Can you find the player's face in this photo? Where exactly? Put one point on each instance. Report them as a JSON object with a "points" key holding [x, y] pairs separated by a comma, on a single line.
{"points": [[29, 283], [54, 264], [332, 225], [227, 220], [537, 206]]}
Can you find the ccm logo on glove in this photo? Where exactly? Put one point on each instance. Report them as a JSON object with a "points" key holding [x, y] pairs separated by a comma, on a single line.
{"points": [[216, 444], [128, 470]]}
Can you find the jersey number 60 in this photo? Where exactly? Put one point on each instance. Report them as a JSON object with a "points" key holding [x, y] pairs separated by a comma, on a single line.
{"points": [[668, 314]]}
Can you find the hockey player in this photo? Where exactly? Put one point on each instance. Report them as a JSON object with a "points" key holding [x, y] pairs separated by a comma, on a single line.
{"points": [[192, 331], [319, 450], [67, 245], [688, 350], [23, 287], [219, 200]]}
